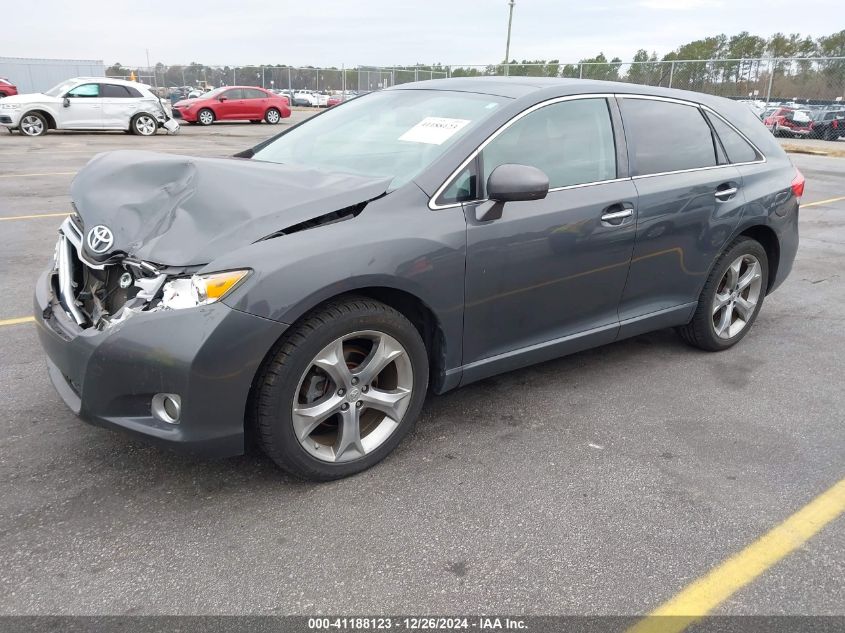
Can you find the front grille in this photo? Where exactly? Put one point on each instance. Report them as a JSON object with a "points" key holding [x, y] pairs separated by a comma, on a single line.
{"points": [[177, 114], [88, 294]]}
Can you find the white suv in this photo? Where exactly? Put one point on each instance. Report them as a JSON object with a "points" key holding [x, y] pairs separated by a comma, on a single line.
{"points": [[85, 103]]}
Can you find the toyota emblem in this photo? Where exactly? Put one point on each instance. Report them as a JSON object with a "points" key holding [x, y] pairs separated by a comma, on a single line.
{"points": [[100, 239]]}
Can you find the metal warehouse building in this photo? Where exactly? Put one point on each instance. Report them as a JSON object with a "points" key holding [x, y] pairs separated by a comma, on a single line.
{"points": [[38, 75]]}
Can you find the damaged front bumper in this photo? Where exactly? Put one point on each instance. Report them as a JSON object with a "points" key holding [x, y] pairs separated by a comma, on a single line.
{"points": [[109, 376]]}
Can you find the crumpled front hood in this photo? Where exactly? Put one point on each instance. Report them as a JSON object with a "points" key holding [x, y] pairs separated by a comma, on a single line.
{"points": [[183, 211]]}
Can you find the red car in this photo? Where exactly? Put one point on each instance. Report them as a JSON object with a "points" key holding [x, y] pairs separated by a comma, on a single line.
{"points": [[233, 103], [789, 122], [7, 89]]}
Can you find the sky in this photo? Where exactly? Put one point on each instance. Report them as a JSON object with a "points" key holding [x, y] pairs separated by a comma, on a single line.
{"points": [[386, 32]]}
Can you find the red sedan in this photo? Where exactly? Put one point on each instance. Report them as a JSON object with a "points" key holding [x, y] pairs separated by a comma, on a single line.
{"points": [[233, 103], [7, 89]]}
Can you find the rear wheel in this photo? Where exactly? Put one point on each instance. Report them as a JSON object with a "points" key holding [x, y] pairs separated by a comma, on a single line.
{"points": [[341, 390], [272, 116], [33, 124], [205, 117], [143, 124], [731, 298]]}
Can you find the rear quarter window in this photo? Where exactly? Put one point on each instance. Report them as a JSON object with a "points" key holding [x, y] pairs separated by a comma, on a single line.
{"points": [[664, 136], [737, 148]]}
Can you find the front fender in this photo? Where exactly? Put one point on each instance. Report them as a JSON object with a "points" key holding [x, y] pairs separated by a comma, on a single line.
{"points": [[396, 242]]}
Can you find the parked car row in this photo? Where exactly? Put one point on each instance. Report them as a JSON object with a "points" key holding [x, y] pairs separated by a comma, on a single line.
{"points": [[805, 122]]}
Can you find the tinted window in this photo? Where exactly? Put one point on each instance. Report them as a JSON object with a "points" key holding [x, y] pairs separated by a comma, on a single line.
{"points": [[85, 90], [254, 93], [237, 93], [736, 147], [132, 92], [570, 141], [115, 92], [667, 136]]}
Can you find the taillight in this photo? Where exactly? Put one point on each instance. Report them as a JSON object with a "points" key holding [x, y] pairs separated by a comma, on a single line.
{"points": [[835, 125], [798, 184]]}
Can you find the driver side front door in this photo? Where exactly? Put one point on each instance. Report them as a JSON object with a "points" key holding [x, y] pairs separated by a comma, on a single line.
{"points": [[546, 278]]}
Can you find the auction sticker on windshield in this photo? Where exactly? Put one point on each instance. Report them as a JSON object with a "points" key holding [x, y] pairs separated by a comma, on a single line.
{"points": [[434, 130]]}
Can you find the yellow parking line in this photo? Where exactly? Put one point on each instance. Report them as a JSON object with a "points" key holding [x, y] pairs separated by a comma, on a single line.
{"points": [[818, 202], [17, 321], [36, 215], [52, 173], [708, 592]]}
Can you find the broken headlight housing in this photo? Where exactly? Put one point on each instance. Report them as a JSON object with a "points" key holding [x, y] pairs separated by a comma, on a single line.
{"points": [[200, 290]]}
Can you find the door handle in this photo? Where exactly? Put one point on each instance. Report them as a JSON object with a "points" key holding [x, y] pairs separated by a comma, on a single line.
{"points": [[724, 194], [616, 214]]}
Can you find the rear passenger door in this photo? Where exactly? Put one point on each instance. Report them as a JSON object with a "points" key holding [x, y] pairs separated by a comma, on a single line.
{"points": [[255, 103], [546, 277], [690, 200], [120, 103]]}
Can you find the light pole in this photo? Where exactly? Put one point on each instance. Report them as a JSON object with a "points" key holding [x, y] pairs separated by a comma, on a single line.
{"points": [[508, 45]]}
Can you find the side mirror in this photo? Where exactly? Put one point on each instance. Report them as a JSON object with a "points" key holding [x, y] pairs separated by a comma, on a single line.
{"points": [[222, 99], [66, 102], [513, 183]]}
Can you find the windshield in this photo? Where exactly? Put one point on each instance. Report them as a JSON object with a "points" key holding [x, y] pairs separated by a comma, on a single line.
{"points": [[392, 134], [62, 88]]}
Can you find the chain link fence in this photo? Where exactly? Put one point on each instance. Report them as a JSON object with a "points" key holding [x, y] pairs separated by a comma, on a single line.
{"points": [[765, 79]]}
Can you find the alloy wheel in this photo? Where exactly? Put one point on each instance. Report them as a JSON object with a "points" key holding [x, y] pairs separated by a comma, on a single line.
{"points": [[737, 296], [32, 125], [206, 117], [352, 396], [272, 116], [145, 125]]}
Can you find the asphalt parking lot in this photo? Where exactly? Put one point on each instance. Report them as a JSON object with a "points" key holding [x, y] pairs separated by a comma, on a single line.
{"points": [[600, 483]]}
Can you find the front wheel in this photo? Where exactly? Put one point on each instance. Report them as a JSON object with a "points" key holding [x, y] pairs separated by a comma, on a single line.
{"points": [[33, 124], [205, 117], [731, 298], [143, 125], [272, 116], [341, 389]]}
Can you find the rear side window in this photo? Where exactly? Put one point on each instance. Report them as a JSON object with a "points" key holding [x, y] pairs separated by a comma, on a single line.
{"points": [[570, 141], [667, 136], [254, 93], [736, 147], [112, 91], [237, 93]]}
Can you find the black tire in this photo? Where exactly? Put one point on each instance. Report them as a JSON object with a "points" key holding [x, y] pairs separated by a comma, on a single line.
{"points": [[830, 134], [272, 116], [282, 371], [143, 124], [203, 118], [700, 331], [42, 130]]}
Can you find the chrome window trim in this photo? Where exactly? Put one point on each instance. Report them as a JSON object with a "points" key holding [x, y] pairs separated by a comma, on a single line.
{"points": [[431, 202], [436, 207]]}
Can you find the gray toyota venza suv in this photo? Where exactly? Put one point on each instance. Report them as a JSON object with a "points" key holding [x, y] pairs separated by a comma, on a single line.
{"points": [[307, 293]]}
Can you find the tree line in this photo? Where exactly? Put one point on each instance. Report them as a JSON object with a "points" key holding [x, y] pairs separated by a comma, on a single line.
{"points": [[723, 64]]}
